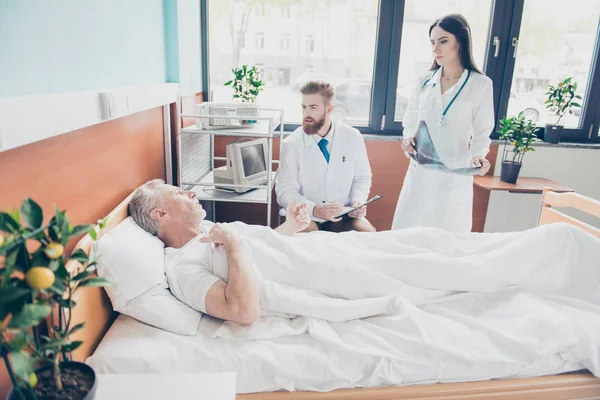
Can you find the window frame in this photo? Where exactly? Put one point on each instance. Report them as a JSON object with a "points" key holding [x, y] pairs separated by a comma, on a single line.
{"points": [[505, 24]]}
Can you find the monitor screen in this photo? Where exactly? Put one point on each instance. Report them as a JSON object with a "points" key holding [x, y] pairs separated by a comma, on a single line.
{"points": [[253, 158]]}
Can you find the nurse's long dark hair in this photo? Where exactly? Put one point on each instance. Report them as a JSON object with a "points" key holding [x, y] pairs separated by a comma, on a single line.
{"points": [[457, 25]]}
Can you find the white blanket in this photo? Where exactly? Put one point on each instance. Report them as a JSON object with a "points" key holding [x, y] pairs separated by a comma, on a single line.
{"points": [[475, 306]]}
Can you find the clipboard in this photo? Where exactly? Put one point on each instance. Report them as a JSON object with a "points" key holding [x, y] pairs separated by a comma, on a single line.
{"points": [[348, 211]]}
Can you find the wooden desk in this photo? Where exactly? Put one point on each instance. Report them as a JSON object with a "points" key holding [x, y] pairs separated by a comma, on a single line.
{"points": [[523, 185]]}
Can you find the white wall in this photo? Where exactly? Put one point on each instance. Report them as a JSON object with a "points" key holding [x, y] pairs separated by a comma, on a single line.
{"points": [[70, 45], [575, 167]]}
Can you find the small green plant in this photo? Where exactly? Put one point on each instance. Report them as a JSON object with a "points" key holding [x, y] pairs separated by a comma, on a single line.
{"points": [[520, 133], [561, 100], [246, 83], [34, 281]]}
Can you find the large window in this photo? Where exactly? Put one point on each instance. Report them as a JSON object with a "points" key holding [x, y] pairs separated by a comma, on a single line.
{"points": [[557, 41], [374, 50], [293, 42]]}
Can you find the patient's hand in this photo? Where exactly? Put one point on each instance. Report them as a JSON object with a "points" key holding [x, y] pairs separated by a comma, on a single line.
{"points": [[297, 216], [220, 235]]}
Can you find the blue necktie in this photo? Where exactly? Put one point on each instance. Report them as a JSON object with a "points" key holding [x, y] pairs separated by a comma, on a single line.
{"points": [[323, 146]]}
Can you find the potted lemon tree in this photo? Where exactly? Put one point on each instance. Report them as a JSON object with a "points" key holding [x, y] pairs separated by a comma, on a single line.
{"points": [[561, 101], [519, 132], [34, 282]]}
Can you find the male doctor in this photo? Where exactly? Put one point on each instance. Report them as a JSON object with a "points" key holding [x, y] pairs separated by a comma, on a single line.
{"points": [[325, 165]]}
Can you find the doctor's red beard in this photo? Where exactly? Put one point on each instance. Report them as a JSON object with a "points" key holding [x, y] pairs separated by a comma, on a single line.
{"points": [[310, 128]]}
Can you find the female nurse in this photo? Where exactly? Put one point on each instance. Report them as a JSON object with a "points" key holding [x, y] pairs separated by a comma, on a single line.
{"points": [[455, 99]]}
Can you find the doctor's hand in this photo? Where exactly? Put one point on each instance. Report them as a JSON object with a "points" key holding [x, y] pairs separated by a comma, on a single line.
{"points": [[297, 216], [481, 162], [360, 213], [408, 146], [328, 211]]}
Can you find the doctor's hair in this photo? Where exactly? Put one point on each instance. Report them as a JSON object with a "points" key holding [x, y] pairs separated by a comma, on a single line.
{"points": [[145, 199], [325, 89], [457, 25]]}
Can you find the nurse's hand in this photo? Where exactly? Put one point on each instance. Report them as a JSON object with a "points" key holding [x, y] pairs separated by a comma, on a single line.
{"points": [[408, 146], [360, 213], [479, 161], [328, 211]]}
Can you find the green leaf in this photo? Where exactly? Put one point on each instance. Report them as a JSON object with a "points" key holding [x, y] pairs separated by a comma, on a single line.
{"points": [[79, 255], [81, 275], [32, 213], [101, 282], [54, 264], [18, 343], [93, 234], [55, 344], [30, 315], [22, 365], [81, 229], [76, 328], [228, 83], [61, 272], [8, 223], [11, 293], [72, 346], [65, 303], [57, 288], [54, 233]]}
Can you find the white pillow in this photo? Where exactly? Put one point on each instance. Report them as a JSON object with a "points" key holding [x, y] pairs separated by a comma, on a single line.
{"points": [[132, 258], [159, 308], [135, 261]]}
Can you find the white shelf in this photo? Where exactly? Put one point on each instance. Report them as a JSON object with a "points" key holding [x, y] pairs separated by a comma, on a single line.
{"points": [[269, 123], [260, 130], [205, 190]]}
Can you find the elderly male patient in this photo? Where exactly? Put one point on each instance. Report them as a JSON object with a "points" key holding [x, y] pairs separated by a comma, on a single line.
{"points": [[177, 218], [240, 272]]}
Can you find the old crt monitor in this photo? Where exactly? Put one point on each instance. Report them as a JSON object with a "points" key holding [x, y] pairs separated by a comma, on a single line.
{"points": [[246, 165]]}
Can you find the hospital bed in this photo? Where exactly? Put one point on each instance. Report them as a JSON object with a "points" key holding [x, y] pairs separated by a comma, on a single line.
{"points": [[123, 340]]}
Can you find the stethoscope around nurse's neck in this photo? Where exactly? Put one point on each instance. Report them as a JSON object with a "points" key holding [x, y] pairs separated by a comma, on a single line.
{"points": [[442, 119]]}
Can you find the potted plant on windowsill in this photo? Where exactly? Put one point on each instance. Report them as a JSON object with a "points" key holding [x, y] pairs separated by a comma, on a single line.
{"points": [[246, 83], [520, 133], [561, 100], [35, 286]]}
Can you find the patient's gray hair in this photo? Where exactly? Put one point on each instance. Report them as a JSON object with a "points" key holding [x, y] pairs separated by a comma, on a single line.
{"points": [[145, 199]]}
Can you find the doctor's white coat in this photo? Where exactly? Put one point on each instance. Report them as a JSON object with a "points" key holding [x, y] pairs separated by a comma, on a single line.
{"points": [[305, 176]]}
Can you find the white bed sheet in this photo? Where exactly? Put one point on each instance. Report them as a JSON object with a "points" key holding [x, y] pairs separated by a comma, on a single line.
{"points": [[488, 306], [297, 362]]}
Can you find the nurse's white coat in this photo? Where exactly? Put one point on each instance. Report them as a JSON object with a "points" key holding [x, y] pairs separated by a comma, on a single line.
{"points": [[432, 198]]}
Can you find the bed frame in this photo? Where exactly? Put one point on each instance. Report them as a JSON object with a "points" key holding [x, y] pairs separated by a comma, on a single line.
{"points": [[94, 308]]}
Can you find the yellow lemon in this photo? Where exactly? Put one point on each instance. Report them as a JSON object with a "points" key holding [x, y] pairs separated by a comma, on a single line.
{"points": [[54, 250], [1, 240], [40, 277], [33, 380]]}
